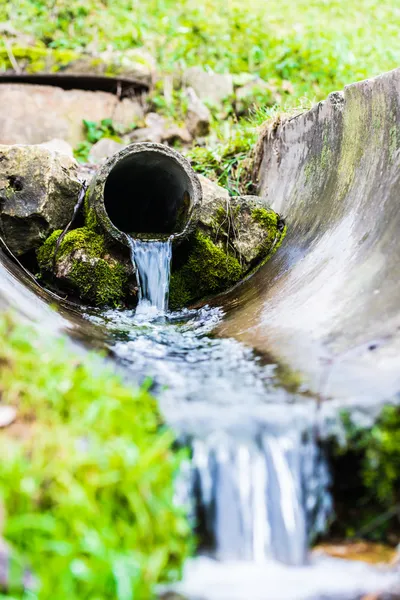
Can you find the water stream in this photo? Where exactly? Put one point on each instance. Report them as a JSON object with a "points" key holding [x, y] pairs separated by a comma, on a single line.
{"points": [[257, 486], [152, 259]]}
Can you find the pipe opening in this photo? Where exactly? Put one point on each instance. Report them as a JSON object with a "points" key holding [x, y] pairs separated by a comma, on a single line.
{"points": [[148, 192]]}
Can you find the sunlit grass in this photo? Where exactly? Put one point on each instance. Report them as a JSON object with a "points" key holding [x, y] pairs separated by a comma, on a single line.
{"points": [[86, 476]]}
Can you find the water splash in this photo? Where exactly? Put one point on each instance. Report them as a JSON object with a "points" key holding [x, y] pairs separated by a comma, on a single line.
{"points": [[152, 260], [262, 498]]}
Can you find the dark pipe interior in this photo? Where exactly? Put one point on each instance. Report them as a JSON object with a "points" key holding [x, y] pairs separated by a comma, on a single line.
{"points": [[147, 192]]}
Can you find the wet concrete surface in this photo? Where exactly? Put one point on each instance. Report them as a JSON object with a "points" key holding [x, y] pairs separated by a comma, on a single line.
{"points": [[328, 303]]}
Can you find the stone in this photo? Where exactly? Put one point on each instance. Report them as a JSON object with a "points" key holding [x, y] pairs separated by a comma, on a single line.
{"points": [[134, 63], [245, 224], [158, 130], [38, 113], [38, 191], [88, 267], [198, 116], [60, 146], [8, 414], [174, 133], [103, 149], [153, 132], [127, 112], [233, 237], [211, 190], [213, 87]]}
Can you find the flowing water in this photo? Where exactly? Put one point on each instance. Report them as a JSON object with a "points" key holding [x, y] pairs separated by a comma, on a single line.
{"points": [[152, 260], [257, 485]]}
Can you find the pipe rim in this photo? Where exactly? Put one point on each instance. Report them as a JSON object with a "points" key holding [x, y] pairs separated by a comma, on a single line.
{"points": [[96, 191]]}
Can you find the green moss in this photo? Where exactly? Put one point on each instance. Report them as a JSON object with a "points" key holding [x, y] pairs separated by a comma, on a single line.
{"points": [[266, 218], [208, 270], [179, 292], [36, 59], [355, 130], [102, 284], [269, 220], [46, 252], [98, 281], [87, 487], [91, 220], [280, 237]]}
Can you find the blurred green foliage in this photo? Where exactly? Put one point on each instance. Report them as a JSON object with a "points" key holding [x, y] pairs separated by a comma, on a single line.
{"points": [[86, 476], [303, 49], [368, 476], [380, 448], [96, 131], [316, 44]]}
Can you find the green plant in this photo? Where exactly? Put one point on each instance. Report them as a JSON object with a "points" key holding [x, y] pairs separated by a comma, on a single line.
{"points": [[87, 475], [367, 476], [94, 132]]}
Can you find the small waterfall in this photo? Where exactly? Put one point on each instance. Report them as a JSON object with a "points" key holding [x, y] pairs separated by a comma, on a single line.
{"points": [[261, 499], [152, 260]]}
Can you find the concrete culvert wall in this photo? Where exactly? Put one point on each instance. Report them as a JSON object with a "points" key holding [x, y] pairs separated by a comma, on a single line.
{"points": [[146, 190], [328, 303]]}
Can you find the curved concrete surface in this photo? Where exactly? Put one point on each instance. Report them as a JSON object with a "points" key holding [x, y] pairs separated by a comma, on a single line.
{"points": [[328, 303]]}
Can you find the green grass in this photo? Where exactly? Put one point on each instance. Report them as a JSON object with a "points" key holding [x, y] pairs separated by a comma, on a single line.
{"points": [[86, 476], [316, 44], [303, 49]]}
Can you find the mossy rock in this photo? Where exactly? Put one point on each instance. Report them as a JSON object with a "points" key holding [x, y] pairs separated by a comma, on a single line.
{"points": [[245, 225], [86, 265], [235, 237], [208, 270], [38, 191]]}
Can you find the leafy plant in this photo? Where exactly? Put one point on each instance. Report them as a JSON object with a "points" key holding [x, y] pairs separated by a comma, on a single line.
{"points": [[94, 132], [367, 476]]}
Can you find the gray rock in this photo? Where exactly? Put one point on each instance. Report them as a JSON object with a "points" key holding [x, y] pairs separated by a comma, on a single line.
{"points": [[235, 223], [38, 191], [153, 132], [86, 265], [231, 220], [211, 190], [158, 130], [38, 113], [60, 146], [212, 87], [198, 116], [174, 133], [104, 148]]}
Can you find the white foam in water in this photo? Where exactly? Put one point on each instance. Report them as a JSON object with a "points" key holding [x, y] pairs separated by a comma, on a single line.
{"points": [[324, 578], [152, 260]]}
